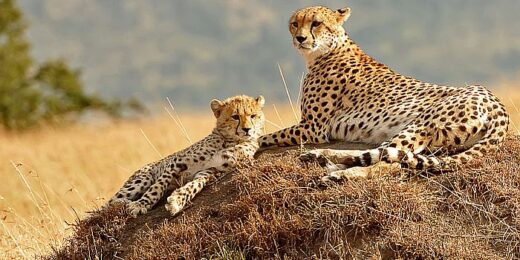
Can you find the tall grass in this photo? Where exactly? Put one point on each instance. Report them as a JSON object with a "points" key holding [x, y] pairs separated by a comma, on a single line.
{"points": [[509, 94]]}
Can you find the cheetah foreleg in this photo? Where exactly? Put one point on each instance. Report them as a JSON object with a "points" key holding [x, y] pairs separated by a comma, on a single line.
{"points": [[294, 135], [226, 161], [181, 196]]}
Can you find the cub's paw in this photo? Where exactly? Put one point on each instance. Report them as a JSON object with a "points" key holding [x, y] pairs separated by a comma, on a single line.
{"points": [[115, 201], [136, 208], [123, 201], [175, 204]]}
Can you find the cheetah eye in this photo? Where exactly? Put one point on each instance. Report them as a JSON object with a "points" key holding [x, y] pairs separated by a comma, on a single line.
{"points": [[253, 116], [294, 24], [236, 117], [315, 24]]}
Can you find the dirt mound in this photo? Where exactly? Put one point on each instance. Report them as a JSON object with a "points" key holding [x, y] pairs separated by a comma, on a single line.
{"points": [[276, 208]]}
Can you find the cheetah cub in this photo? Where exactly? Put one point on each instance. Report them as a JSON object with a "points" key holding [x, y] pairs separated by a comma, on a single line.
{"points": [[240, 122]]}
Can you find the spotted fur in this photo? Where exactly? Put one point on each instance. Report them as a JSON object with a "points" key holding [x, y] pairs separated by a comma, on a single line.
{"points": [[349, 96], [240, 122]]}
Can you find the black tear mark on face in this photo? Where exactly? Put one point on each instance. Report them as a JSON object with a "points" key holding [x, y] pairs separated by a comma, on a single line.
{"points": [[238, 123]]}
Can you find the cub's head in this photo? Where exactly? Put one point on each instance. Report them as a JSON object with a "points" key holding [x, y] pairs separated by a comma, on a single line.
{"points": [[239, 117], [316, 30]]}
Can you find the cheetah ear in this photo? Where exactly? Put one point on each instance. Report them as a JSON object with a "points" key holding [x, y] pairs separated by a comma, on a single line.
{"points": [[342, 14], [216, 106], [260, 100]]}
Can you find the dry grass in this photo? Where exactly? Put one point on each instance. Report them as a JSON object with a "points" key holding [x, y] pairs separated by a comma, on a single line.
{"points": [[51, 177], [275, 209], [509, 94]]}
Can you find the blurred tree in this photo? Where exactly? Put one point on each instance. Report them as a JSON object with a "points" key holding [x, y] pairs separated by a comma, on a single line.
{"points": [[51, 92], [18, 99]]}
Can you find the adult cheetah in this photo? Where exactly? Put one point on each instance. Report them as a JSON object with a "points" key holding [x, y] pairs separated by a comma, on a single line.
{"points": [[240, 122], [349, 96]]}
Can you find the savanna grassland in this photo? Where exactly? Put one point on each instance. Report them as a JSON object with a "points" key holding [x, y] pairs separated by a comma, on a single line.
{"points": [[52, 176]]}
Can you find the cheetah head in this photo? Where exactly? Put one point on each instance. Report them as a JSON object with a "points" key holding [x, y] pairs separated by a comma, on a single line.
{"points": [[240, 117], [316, 30]]}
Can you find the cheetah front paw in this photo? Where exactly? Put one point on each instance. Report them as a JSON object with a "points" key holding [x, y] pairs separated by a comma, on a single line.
{"points": [[136, 208], [314, 155], [311, 155], [175, 204], [320, 156]]}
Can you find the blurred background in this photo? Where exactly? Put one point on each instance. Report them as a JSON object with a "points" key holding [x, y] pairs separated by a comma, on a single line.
{"points": [[192, 51], [64, 64]]}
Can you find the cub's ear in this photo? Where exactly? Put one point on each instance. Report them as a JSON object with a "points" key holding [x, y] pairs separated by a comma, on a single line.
{"points": [[216, 106], [260, 100], [342, 14]]}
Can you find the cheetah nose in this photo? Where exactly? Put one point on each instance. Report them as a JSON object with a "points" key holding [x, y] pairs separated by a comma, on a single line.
{"points": [[301, 39]]}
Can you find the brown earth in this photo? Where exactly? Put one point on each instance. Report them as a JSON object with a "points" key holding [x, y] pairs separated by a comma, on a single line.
{"points": [[276, 207]]}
